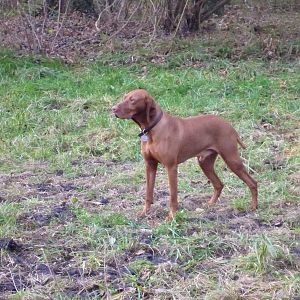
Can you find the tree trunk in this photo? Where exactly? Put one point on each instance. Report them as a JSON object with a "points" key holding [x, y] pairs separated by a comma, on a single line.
{"points": [[193, 11], [193, 17], [168, 23]]}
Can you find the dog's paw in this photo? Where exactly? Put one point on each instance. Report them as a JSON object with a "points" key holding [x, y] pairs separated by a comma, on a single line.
{"points": [[170, 217], [254, 207], [211, 203], [143, 213]]}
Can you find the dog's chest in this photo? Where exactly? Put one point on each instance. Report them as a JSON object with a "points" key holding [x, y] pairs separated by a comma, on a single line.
{"points": [[154, 151]]}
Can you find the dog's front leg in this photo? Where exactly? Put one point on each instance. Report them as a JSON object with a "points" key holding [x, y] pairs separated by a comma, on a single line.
{"points": [[151, 168], [172, 175]]}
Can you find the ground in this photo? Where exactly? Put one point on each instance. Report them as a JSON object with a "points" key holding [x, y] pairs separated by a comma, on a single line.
{"points": [[78, 237]]}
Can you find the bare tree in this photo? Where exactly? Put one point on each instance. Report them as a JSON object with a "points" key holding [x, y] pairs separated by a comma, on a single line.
{"points": [[193, 12], [171, 15]]}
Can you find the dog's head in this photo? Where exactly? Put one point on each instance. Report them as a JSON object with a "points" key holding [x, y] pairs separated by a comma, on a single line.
{"points": [[135, 103]]}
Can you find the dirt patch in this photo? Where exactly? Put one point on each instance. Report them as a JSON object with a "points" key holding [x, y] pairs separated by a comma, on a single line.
{"points": [[244, 223], [222, 214], [14, 283], [289, 216], [10, 245], [42, 216], [44, 269], [15, 266], [88, 291], [49, 187], [192, 203], [139, 251], [149, 254], [61, 213], [295, 179]]}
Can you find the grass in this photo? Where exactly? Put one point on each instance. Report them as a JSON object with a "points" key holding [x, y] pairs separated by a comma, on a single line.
{"points": [[72, 181]]}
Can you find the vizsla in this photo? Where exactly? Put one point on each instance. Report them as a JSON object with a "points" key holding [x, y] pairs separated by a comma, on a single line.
{"points": [[171, 140]]}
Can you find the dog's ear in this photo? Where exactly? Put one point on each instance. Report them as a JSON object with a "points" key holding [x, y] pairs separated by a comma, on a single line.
{"points": [[150, 108]]}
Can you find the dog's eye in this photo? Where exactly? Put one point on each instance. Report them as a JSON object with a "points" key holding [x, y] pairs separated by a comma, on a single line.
{"points": [[132, 100]]}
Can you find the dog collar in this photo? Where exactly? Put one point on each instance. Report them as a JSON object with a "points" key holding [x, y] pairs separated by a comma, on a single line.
{"points": [[147, 129]]}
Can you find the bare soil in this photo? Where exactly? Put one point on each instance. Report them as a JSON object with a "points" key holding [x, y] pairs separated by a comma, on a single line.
{"points": [[40, 225]]}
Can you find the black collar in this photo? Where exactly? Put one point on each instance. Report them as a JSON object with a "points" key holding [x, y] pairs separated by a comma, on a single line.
{"points": [[146, 130]]}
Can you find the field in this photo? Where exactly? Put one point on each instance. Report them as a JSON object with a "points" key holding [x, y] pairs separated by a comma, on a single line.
{"points": [[72, 182]]}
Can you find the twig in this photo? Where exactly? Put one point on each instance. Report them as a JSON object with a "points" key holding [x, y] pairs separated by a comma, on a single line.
{"points": [[31, 25], [154, 25], [100, 14], [59, 26], [11, 275], [44, 20], [121, 8], [180, 19], [126, 23]]}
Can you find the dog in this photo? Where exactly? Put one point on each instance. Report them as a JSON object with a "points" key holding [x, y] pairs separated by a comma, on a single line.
{"points": [[171, 140]]}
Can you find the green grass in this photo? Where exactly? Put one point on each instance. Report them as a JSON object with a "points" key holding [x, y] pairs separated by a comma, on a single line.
{"points": [[72, 181], [57, 113]]}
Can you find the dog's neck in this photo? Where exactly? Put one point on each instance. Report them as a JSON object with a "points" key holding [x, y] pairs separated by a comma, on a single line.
{"points": [[154, 118]]}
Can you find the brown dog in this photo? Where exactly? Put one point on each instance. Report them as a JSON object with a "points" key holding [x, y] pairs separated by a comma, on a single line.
{"points": [[171, 140]]}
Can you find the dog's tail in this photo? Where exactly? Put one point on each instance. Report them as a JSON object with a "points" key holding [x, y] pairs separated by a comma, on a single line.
{"points": [[241, 143]]}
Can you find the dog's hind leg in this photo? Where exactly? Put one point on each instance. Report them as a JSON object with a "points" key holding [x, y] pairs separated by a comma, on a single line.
{"points": [[233, 160], [206, 163]]}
